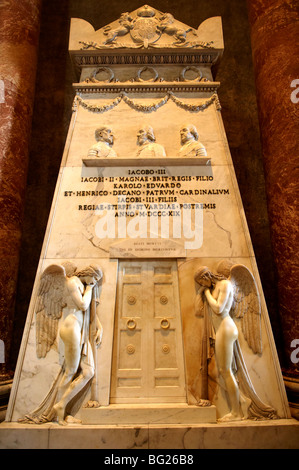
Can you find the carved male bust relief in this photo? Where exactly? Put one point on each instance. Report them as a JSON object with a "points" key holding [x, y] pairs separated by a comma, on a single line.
{"points": [[103, 147], [146, 141], [191, 147]]}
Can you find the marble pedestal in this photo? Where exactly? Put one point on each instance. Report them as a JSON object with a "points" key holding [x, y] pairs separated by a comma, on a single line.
{"points": [[279, 434]]}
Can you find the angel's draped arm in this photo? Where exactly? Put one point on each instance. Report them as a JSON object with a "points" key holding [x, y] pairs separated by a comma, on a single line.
{"points": [[220, 302], [199, 302], [82, 301], [99, 333]]}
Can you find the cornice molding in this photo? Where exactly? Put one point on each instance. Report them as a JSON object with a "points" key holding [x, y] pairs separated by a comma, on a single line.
{"points": [[148, 87]]}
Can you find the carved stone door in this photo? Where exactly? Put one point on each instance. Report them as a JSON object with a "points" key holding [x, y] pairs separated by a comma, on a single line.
{"points": [[148, 360]]}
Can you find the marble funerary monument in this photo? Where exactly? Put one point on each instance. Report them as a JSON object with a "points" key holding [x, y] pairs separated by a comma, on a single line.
{"points": [[147, 306]]}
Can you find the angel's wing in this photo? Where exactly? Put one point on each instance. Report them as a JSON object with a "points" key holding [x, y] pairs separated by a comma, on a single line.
{"points": [[247, 305], [49, 307]]}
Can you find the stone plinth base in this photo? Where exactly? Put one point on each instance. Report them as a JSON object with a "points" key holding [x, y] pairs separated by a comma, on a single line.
{"points": [[149, 414], [278, 434]]}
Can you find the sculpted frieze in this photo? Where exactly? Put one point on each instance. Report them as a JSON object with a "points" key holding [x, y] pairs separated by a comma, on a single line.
{"points": [[147, 145], [146, 75], [223, 299], [147, 27], [137, 105], [67, 308]]}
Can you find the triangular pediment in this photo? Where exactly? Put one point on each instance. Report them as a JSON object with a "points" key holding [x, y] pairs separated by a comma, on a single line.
{"points": [[146, 28]]}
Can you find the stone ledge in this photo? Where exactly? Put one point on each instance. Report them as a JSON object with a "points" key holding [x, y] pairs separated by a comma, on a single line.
{"points": [[180, 414], [279, 434], [136, 161]]}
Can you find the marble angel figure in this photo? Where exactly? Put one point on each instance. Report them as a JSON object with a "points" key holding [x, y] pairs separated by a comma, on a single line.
{"points": [[67, 308], [232, 294]]}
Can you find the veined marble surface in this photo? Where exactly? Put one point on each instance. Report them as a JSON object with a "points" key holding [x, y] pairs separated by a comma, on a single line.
{"points": [[280, 434], [79, 207], [37, 375], [73, 232]]}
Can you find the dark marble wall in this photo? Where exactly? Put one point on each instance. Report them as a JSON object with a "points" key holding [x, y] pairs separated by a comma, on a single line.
{"points": [[54, 96], [19, 33], [274, 32]]}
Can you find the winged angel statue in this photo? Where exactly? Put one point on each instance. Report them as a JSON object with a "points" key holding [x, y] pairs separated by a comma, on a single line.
{"points": [[69, 299], [222, 298]]}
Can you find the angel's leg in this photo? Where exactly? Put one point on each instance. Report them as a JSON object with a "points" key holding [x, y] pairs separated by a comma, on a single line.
{"points": [[70, 333], [86, 374], [225, 338]]}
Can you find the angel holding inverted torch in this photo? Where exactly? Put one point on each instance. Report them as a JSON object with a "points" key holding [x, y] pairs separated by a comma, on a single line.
{"points": [[232, 292], [70, 298]]}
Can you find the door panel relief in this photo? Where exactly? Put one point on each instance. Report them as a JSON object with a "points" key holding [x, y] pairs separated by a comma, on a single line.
{"points": [[148, 361]]}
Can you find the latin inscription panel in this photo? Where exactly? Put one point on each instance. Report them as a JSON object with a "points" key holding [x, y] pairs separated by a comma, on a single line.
{"points": [[147, 212]]}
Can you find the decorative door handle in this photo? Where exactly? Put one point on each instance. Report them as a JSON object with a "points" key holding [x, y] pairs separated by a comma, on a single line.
{"points": [[131, 324], [164, 323]]}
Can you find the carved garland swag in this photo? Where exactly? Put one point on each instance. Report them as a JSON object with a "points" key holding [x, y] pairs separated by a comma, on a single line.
{"points": [[146, 108]]}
